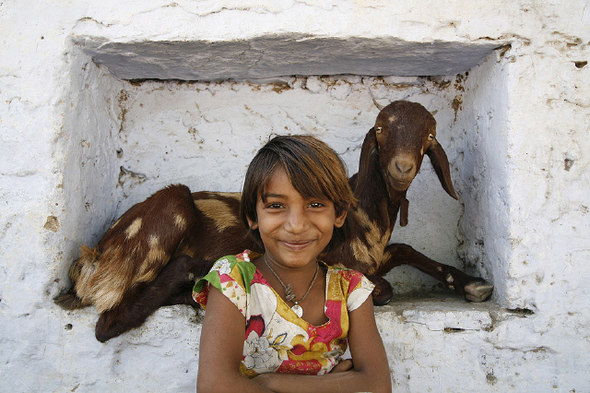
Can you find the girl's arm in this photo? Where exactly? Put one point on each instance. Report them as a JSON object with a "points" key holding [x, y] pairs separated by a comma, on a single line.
{"points": [[220, 349], [370, 372]]}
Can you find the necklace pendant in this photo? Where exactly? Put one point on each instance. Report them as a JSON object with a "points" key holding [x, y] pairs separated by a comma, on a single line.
{"points": [[297, 310], [289, 295]]}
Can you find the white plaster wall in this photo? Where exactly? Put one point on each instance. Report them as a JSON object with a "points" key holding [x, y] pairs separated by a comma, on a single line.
{"points": [[483, 169], [93, 118], [520, 136], [549, 228]]}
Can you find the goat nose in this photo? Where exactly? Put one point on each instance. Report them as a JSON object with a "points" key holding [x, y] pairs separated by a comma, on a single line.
{"points": [[404, 167]]}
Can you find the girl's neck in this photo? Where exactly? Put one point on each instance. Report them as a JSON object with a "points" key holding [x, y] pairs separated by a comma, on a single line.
{"points": [[299, 273], [299, 278], [307, 285]]}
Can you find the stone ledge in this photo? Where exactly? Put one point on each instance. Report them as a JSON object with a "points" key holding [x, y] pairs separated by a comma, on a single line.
{"points": [[448, 312], [436, 311]]}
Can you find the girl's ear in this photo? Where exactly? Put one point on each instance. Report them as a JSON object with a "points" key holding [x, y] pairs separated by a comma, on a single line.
{"points": [[252, 224], [340, 219]]}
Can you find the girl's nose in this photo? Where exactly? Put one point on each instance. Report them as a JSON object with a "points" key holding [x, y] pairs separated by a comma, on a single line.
{"points": [[296, 221]]}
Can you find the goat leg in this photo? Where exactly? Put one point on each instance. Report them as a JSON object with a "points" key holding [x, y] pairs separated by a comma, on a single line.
{"points": [[70, 300], [382, 293], [474, 289], [172, 286]]}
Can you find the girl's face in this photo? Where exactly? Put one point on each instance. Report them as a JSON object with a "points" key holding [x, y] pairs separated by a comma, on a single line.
{"points": [[294, 229]]}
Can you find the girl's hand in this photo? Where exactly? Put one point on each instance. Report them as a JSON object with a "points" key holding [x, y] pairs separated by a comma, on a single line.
{"points": [[345, 365], [263, 379]]}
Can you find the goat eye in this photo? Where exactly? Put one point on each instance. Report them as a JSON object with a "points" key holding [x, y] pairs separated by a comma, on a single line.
{"points": [[430, 137], [378, 130]]}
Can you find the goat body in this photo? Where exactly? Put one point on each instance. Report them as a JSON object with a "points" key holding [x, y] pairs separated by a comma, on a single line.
{"points": [[152, 255]]}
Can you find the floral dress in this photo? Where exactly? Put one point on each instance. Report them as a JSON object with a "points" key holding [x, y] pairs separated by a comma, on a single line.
{"points": [[276, 339]]}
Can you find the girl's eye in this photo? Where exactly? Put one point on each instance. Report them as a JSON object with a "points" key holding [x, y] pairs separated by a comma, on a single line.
{"points": [[316, 204], [274, 205]]}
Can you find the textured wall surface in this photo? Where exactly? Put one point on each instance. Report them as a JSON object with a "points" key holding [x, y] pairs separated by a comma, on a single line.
{"points": [[102, 104]]}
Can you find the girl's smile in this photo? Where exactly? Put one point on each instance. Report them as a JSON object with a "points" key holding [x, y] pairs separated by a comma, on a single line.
{"points": [[294, 229]]}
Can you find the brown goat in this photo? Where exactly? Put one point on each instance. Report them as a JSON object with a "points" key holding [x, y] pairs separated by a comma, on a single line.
{"points": [[151, 256]]}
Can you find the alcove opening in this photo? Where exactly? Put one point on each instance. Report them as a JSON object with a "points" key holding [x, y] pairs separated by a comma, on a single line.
{"points": [[145, 115]]}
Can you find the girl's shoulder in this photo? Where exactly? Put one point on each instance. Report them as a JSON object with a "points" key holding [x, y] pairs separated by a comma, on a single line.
{"points": [[230, 270], [350, 285], [347, 275], [228, 263]]}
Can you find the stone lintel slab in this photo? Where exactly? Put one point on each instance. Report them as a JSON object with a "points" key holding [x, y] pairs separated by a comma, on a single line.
{"points": [[274, 56]]}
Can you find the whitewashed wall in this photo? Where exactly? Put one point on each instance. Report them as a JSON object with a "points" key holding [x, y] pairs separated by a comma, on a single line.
{"points": [[79, 145]]}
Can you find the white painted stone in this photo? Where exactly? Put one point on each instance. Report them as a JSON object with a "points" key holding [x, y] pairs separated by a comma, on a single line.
{"points": [[78, 146], [444, 319]]}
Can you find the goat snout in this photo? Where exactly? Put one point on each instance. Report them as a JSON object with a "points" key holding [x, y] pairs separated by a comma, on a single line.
{"points": [[404, 167], [401, 172]]}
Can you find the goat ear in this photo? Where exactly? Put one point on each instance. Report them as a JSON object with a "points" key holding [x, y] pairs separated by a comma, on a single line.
{"points": [[369, 157], [403, 212], [440, 162]]}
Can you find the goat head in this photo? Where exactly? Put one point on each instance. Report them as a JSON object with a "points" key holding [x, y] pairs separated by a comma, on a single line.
{"points": [[403, 133]]}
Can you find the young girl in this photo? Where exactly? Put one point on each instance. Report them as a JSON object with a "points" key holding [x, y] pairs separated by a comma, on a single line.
{"points": [[281, 321]]}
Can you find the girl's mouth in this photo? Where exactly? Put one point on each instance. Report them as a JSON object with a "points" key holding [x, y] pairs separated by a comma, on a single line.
{"points": [[297, 244]]}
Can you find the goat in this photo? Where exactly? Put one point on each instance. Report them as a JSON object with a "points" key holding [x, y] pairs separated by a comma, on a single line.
{"points": [[152, 255]]}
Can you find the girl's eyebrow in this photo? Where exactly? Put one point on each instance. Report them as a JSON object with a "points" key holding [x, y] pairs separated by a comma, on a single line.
{"points": [[279, 196], [270, 195]]}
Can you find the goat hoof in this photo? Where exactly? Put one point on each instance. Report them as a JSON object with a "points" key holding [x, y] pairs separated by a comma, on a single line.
{"points": [[381, 301], [382, 293], [381, 298], [69, 301], [478, 291]]}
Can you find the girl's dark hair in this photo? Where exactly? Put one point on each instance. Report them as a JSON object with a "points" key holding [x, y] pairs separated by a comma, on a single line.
{"points": [[315, 171]]}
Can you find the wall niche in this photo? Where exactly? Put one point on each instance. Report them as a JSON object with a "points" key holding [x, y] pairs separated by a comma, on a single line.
{"points": [[148, 114]]}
